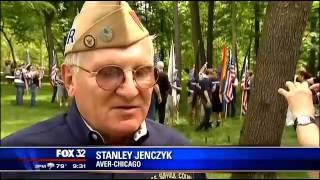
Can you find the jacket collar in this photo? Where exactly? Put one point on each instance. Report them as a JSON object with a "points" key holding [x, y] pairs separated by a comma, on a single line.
{"points": [[86, 135]]}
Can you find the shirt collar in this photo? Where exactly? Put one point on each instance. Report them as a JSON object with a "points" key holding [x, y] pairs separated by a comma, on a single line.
{"points": [[86, 135], [93, 133], [141, 132]]}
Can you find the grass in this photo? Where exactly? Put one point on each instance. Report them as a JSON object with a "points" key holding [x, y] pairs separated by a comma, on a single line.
{"points": [[14, 118]]}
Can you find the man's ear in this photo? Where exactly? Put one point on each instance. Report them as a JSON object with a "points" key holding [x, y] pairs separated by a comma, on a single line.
{"points": [[68, 79]]}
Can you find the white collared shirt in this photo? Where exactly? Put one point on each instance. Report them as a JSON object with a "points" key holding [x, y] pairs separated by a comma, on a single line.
{"points": [[142, 131]]}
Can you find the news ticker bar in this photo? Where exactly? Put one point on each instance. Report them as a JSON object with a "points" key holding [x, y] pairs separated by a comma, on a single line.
{"points": [[158, 158]]}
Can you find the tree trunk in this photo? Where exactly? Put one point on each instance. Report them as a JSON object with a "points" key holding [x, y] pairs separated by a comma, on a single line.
{"points": [[256, 27], [48, 19], [234, 35], [236, 60], [278, 53], [319, 39], [312, 58], [45, 35], [247, 55], [162, 38], [11, 47], [177, 38], [40, 54], [196, 35], [210, 34], [198, 48], [59, 46], [146, 14]]}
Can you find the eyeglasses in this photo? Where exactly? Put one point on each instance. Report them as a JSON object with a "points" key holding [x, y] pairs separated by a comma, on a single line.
{"points": [[111, 76]]}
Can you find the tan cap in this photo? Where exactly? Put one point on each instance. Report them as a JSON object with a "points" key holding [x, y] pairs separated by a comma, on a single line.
{"points": [[104, 24]]}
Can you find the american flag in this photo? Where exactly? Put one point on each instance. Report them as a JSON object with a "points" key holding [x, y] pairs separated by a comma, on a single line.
{"points": [[245, 82], [53, 68], [171, 69], [231, 76]]}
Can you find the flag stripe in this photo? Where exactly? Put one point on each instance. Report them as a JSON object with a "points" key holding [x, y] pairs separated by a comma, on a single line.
{"points": [[231, 75], [53, 68], [245, 84]]}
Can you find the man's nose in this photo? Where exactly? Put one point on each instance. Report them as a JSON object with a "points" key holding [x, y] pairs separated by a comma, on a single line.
{"points": [[129, 87]]}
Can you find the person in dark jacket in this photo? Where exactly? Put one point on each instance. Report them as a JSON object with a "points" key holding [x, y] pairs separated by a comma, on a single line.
{"points": [[109, 72], [164, 87], [206, 95]]}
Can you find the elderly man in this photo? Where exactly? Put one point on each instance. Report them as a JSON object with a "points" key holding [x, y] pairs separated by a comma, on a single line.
{"points": [[109, 71]]}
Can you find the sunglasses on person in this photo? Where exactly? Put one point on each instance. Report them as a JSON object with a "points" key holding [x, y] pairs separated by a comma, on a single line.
{"points": [[112, 76]]}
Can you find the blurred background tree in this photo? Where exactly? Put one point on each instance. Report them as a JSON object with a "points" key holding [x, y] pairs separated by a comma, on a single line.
{"points": [[42, 26]]}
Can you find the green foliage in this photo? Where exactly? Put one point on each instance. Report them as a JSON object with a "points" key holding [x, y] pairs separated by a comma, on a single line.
{"points": [[24, 19], [308, 35], [24, 23], [28, 31]]}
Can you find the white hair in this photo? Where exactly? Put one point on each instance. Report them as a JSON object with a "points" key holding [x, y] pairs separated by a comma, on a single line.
{"points": [[160, 65], [73, 59]]}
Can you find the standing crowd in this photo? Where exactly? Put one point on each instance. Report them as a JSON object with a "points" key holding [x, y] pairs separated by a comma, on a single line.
{"points": [[28, 78]]}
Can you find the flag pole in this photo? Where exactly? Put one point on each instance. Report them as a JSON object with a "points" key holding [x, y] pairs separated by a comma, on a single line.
{"points": [[245, 69], [226, 111], [172, 79], [28, 57], [41, 54], [172, 96], [171, 75], [241, 105], [241, 111]]}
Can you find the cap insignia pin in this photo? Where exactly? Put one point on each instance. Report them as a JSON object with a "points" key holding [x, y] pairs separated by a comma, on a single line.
{"points": [[89, 41], [106, 34]]}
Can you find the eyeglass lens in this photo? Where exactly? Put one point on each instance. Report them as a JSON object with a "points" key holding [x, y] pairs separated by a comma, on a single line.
{"points": [[110, 77]]}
